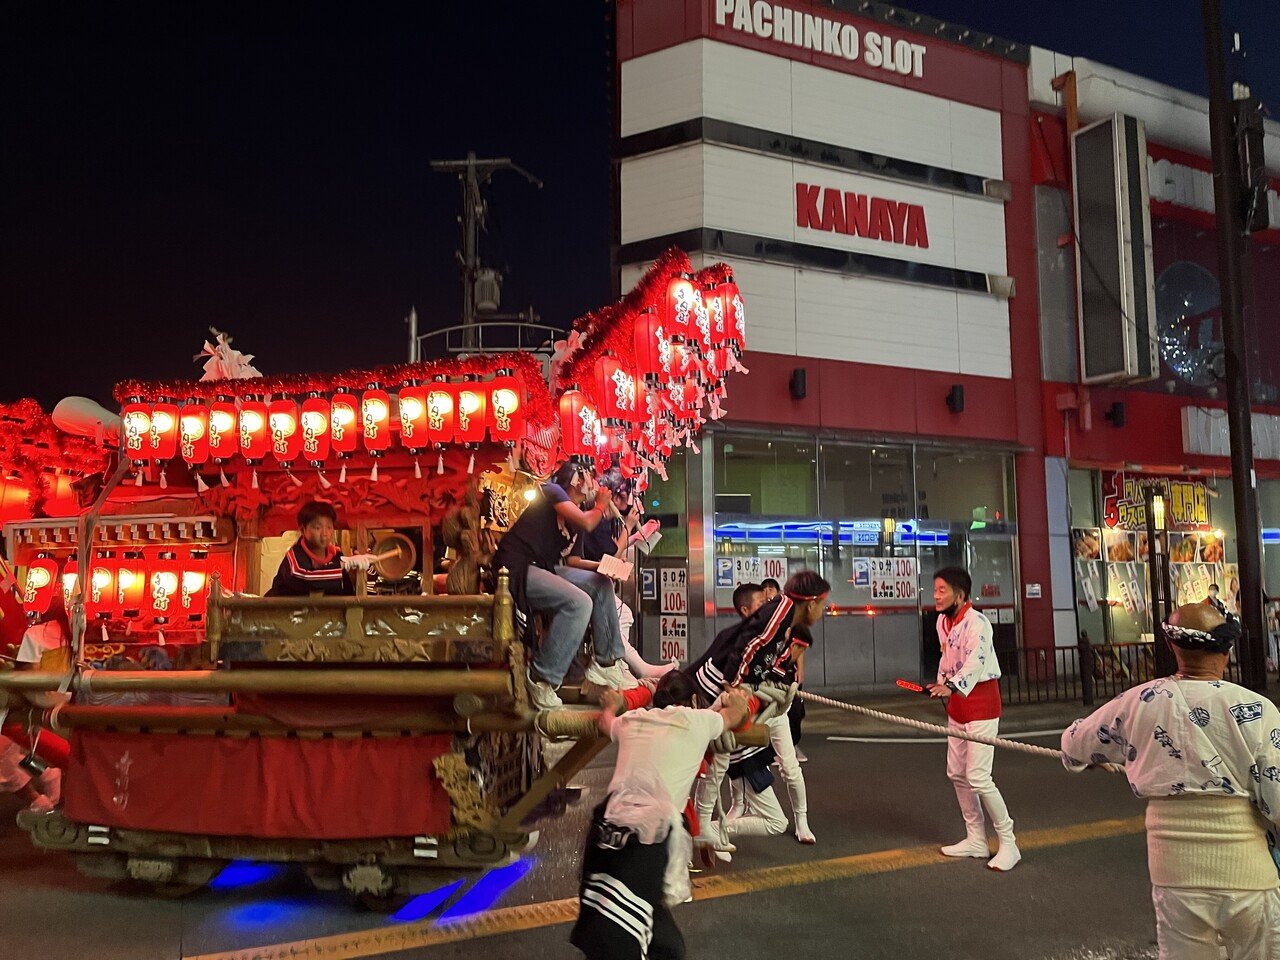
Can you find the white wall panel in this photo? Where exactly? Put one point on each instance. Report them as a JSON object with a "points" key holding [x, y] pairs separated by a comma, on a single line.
{"points": [[769, 290], [746, 86], [662, 88], [979, 235], [662, 193], [983, 325], [976, 144]]}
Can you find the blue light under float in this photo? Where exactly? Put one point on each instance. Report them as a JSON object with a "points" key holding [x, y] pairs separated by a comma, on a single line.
{"points": [[487, 890], [422, 906]]}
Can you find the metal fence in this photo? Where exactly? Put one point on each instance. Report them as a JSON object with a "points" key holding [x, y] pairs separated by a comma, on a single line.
{"points": [[1050, 675]]}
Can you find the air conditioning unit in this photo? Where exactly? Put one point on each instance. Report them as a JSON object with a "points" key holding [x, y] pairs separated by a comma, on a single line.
{"points": [[1115, 281]]}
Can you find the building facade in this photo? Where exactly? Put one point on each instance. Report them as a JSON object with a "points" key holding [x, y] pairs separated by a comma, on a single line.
{"points": [[892, 193]]}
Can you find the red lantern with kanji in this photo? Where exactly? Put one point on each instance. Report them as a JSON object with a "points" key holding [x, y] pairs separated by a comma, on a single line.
{"points": [[135, 426], [652, 345], [163, 434], [736, 317], [314, 421], [193, 432], [224, 430], [413, 417], [506, 407], [286, 438], [70, 581], [100, 601], [577, 424], [39, 586], [194, 586], [131, 585], [164, 582], [641, 411], [700, 332], [615, 389], [441, 407], [255, 435], [472, 405], [375, 419], [629, 462], [344, 426], [678, 307]]}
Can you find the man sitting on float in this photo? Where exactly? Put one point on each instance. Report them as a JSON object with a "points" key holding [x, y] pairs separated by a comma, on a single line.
{"points": [[533, 551], [314, 564]]}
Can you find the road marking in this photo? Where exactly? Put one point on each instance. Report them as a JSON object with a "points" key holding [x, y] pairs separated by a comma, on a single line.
{"points": [[1008, 736], [505, 920]]}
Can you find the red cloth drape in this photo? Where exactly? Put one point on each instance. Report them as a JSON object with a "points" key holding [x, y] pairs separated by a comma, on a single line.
{"points": [[258, 787]]}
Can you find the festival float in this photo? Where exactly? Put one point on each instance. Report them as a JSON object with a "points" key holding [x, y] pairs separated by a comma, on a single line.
{"points": [[376, 739]]}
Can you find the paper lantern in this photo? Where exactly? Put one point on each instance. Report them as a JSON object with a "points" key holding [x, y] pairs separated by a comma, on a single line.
{"points": [[100, 601], [314, 421], [736, 319], [678, 306], [375, 419], [652, 345], [255, 435], [629, 462], [641, 410], [135, 426], [506, 407], [577, 424], [716, 298], [131, 585], [70, 581], [224, 430], [39, 585], [413, 417], [344, 430], [471, 416], [194, 586], [164, 581], [441, 406], [286, 437], [700, 332], [163, 433], [615, 389], [193, 432]]}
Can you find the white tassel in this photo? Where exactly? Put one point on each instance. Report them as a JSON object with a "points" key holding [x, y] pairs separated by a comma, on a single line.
{"points": [[324, 481], [373, 474], [342, 474], [417, 469], [254, 482], [440, 463], [164, 480], [471, 464], [137, 480], [105, 638], [160, 638], [128, 627], [693, 446], [296, 481], [201, 486], [222, 478]]}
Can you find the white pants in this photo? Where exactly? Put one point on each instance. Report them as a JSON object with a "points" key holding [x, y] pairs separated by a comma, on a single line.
{"points": [[969, 767], [626, 619], [762, 814], [1195, 924], [780, 738]]}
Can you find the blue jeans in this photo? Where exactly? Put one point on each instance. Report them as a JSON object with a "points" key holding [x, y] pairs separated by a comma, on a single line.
{"points": [[574, 598]]}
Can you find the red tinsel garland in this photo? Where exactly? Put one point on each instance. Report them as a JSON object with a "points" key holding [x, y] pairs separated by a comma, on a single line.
{"points": [[32, 449], [390, 377]]}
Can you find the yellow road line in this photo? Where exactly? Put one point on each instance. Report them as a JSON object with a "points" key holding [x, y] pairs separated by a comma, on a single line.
{"points": [[426, 933]]}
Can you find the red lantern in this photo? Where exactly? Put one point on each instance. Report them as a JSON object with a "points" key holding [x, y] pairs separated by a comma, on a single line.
{"points": [[193, 432], [164, 582], [700, 332], [70, 581], [652, 345], [506, 407], [629, 463], [224, 430], [286, 438], [471, 422], [194, 586], [375, 419], [163, 434], [344, 430], [736, 319], [713, 297], [641, 411], [315, 429], [254, 430], [679, 305], [413, 417], [100, 602], [441, 406], [615, 389], [135, 424], [577, 424], [131, 585], [39, 586]]}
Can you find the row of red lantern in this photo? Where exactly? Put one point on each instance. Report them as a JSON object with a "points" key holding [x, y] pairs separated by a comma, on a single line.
{"points": [[691, 331], [125, 586], [433, 415]]}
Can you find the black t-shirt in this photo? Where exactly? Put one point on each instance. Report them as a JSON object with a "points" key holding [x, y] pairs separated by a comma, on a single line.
{"points": [[600, 542], [539, 538]]}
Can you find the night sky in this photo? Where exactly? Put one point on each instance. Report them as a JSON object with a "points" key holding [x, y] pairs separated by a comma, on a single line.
{"points": [[268, 174]]}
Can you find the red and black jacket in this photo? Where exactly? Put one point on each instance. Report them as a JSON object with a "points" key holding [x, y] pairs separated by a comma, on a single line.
{"points": [[303, 572]]}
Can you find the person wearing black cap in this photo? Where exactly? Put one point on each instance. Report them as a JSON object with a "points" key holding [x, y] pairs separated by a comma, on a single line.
{"points": [[1205, 755]]}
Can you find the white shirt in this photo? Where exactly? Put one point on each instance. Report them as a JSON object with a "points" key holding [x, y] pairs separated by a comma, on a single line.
{"points": [[1186, 736], [40, 638], [666, 744], [968, 654]]}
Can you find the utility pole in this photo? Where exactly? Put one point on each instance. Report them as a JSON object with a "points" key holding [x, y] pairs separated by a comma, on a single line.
{"points": [[473, 173], [1233, 247]]}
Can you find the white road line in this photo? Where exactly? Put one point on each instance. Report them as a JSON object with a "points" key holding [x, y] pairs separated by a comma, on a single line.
{"points": [[1007, 735]]}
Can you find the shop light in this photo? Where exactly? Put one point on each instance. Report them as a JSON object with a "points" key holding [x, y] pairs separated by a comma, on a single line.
{"points": [[889, 526], [1157, 512]]}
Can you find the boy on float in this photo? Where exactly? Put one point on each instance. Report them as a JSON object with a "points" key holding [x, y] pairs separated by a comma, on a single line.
{"points": [[968, 679], [314, 564], [1205, 755]]}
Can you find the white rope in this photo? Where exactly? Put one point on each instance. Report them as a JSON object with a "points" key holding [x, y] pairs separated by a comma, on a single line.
{"points": [[1030, 748]]}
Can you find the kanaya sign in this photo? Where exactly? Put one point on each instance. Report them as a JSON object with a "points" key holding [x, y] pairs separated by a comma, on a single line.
{"points": [[860, 215]]}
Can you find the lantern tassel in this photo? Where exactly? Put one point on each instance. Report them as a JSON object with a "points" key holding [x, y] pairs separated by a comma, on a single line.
{"points": [[373, 474], [296, 481], [105, 638], [222, 478], [137, 479], [324, 481], [253, 482], [201, 486], [471, 464], [440, 463], [342, 474], [128, 627], [693, 446], [417, 469], [164, 480], [159, 638]]}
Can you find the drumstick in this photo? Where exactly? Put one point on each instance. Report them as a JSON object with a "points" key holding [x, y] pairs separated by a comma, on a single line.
{"points": [[913, 687], [388, 554]]}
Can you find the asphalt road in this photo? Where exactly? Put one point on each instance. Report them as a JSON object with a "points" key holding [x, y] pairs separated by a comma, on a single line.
{"points": [[873, 887]]}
